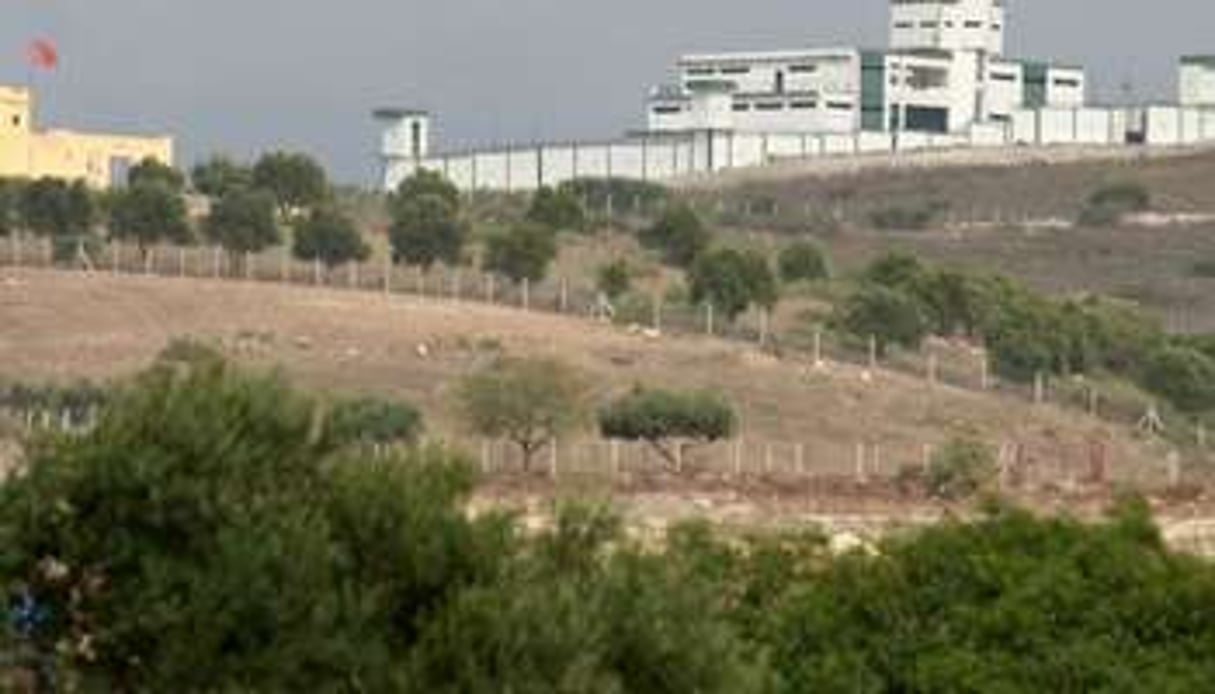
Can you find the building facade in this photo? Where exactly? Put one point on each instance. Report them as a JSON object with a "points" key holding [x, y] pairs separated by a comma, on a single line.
{"points": [[100, 160], [943, 72], [944, 81]]}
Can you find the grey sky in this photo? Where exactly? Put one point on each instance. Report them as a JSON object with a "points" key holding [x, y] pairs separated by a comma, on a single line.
{"points": [[245, 75]]}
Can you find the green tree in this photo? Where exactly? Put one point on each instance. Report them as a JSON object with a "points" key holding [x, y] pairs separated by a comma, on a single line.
{"points": [[527, 401], [11, 191], [665, 418], [731, 281], [961, 468], [802, 261], [889, 316], [558, 209], [678, 235], [243, 222], [330, 236], [296, 181], [1185, 376], [220, 176], [370, 421], [154, 172], [422, 183], [615, 278], [425, 230], [203, 536], [523, 252], [54, 207], [148, 213]]}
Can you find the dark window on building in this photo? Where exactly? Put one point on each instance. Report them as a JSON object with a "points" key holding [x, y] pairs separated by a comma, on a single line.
{"points": [[1003, 77], [804, 105], [667, 110], [701, 71], [924, 119], [735, 70], [742, 107], [770, 106], [806, 67], [839, 105], [1066, 82], [16, 121], [973, 24]]}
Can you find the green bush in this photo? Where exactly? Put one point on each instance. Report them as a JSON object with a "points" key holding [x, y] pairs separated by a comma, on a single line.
{"points": [[330, 236], [614, 279], [678, 235], [1184, 376], [731, 281], [659, 417], [558, 209], [523, 252], [802, 261], [889, 316], [960, 469], [908, 217], [625, 193], [1107, 206], [370, 421]]}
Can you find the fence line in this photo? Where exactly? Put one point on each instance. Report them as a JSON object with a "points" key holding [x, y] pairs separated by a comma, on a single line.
{"points": [[817, 348]]}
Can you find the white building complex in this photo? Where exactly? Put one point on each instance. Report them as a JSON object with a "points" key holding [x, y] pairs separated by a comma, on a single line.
{"points": [[944, 81]]}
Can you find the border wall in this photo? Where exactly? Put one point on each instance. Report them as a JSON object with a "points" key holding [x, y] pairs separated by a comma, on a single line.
{"points": [[667, 156]]}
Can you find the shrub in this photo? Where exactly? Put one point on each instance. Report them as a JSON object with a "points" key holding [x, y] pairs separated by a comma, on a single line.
{"points": [[614, 279], [523, 252], [961, 468], [558, 209], [802, 261], [1185, 376], [1107, 206], [889, 316], [330, 236], [678, 235], [625, 193], [731, 281], [370, 421], [908, 217], [659, 417], [295, 180]]}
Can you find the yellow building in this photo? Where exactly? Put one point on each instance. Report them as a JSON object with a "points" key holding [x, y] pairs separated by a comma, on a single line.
{"points": [[99, 159]]}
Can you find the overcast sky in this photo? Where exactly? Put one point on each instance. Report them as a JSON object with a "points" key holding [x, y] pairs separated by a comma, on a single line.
{"points": [[241, 76]]}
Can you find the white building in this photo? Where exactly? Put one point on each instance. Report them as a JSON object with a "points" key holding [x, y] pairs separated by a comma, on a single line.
{"points": [[944, 72], [944, 81]]}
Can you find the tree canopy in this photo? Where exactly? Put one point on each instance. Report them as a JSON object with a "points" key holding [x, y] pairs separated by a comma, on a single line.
{"points": [[662, 417], [219, 176], [558, 209], [154, 172], [522, 252], [732, 280], [148, 212], [296, 181], [678, 235], [528, 401], [243, 222], [55, 207], [426, 223], [330, 236]]}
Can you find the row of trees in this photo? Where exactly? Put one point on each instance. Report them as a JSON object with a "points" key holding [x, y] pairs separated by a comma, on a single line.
{"points": [[900, 301], [216, 531]]}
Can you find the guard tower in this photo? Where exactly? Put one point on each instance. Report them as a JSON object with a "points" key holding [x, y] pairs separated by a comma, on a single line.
{"points": [[948, 25], [1196, 81], [404, 143]]}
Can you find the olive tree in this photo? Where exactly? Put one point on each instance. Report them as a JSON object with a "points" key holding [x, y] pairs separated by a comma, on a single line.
{"points": [[148, 213], [527, 401], [243, 222], [522, 252]]}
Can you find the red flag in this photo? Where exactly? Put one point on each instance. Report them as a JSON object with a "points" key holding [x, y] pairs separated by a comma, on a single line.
{"points": [[42, 54]]}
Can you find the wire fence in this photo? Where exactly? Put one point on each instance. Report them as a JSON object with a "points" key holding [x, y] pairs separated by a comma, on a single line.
{"points": [[965, 368]]}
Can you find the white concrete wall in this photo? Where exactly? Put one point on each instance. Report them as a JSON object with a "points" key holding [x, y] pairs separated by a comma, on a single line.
{"points": [[1196, 82], [662, 157]]}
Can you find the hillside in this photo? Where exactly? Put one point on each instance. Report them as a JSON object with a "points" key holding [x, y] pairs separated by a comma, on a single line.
{"points": [[62, 326]]}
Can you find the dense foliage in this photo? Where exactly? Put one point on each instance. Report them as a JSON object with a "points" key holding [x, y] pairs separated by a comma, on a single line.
{"points": [[522, 252], [11, 191], [153, 172], [614, 279], [243, 221], [802, 261], [54, 207], [213, 532], [149, 211], [663, 418], [1108, 205], [371, 421], [732, 280], [616, 193], [330, 236], [678, 235], [218, 176], [558, 209], [426, 224], [296, 181]]}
